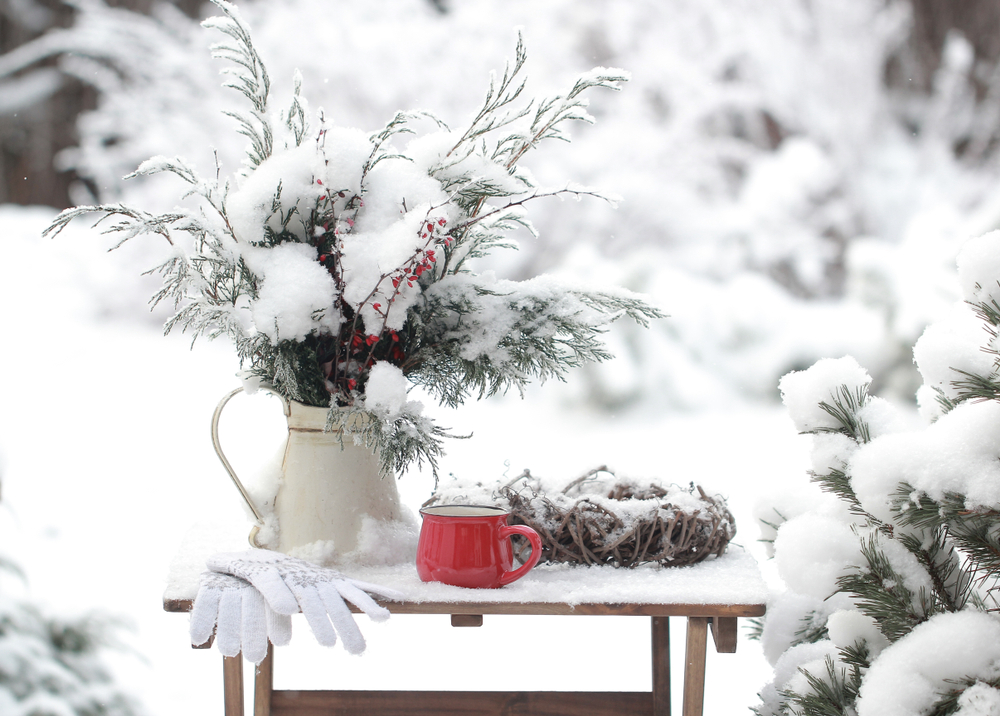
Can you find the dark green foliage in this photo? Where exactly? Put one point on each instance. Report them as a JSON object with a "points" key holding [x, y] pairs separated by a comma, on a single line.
{"points": [[812, 629], [948, 703], [838, 483], [881, 594], [830, 696], [844, 409]]}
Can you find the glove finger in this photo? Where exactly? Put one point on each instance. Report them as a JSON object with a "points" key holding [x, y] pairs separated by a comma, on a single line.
{"points": [[227, 635], [204, 615], [269, 583], [342, 619], [312, 607], [254, 629], [279, 627], [350, 592], [390, 594]]}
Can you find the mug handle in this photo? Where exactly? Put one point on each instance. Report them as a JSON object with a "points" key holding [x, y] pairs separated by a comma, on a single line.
{"points": [[536, 551]]}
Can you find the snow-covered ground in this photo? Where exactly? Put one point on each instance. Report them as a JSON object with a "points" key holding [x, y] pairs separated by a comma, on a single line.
{"points": [[106, 462]]}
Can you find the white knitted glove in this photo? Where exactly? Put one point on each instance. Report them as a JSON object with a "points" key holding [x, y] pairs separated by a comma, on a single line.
{"points": [[289, 585], [238, 615]]}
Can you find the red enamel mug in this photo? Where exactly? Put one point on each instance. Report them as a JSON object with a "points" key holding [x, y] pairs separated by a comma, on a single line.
{"points": [[469, 546]]}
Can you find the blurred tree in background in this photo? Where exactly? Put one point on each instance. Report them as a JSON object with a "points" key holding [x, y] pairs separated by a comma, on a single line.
{"points": [[54, 666], [795, 174], [40, 103]]}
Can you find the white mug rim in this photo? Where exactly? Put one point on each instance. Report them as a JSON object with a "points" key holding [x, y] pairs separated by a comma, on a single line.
{"points": [[463, 510]]}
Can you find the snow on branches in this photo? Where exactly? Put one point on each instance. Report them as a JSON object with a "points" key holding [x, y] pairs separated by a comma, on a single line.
{"points": [[335, 254], [892, 573]]}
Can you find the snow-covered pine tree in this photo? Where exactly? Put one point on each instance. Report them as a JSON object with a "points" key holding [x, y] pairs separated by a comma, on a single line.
{"points": [[892, 570], [51, 666]]}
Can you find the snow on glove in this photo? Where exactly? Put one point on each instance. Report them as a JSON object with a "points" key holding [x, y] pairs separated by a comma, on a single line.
{"points": [[239, 616], [289, 585]]}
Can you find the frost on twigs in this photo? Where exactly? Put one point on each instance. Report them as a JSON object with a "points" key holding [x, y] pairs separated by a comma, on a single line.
{"points": [[336, 257]]}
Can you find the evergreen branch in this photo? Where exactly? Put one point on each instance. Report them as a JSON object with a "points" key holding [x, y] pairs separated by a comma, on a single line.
{"points": [[250, 79], [975, 387], [938, 556], [976, 531], [857, 656], [838, 483], [534, 333], [811, 629], [550, 114], [133, 222], [401, 441], [498, 97], [944, 402], [989, 313], [481, 239], [880, 593], [253, 80], [948, 704], [180, 168], [834, 695], [577, 192], [295, 120], [844, 409]]}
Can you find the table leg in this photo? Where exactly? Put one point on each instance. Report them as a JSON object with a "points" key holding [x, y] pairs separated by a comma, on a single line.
{"points": [[232, 684], [263, 684], [694, 666], [661, 666]]}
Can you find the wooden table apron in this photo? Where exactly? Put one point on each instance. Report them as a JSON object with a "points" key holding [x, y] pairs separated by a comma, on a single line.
{"points": [[702, 619]]}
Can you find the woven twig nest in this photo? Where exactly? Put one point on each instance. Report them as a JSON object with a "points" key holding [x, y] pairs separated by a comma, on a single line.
{"points": [[599, 519]]}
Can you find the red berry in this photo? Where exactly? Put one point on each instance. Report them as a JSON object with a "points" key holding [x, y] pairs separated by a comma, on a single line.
{"points": [[442, 222], [376, 306]]}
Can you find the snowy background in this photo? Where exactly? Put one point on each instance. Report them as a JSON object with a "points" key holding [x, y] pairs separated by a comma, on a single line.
{"points": [[781, 203]]}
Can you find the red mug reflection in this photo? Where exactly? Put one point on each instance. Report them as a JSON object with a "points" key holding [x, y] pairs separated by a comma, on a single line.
{"points": [[469, 546]]}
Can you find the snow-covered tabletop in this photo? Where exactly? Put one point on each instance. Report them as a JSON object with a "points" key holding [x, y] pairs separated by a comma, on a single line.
{"points": [[727, 586]]}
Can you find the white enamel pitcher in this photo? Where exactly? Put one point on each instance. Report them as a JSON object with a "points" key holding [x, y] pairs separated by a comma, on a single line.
{"points": [[328, 486]]}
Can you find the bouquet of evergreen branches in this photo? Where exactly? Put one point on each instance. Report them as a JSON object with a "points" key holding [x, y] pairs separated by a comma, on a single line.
{"points": [[337, 261]]}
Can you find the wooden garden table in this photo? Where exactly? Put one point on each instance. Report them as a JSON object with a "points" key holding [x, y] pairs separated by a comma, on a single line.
{"points": [[720, 619], [731, 587]]}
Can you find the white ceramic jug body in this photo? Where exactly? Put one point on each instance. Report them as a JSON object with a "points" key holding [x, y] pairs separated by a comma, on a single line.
{"points": [[328, 486]]}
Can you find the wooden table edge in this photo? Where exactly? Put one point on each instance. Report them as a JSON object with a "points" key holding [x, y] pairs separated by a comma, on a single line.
{"points": [[546, 608]]}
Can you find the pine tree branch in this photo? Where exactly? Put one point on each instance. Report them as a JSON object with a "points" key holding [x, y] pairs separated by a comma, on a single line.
{"points": [[879, 592], [834, 695]]}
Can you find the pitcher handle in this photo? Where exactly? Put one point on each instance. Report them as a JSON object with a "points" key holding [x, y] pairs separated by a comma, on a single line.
{"points": [[229, 468]]}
